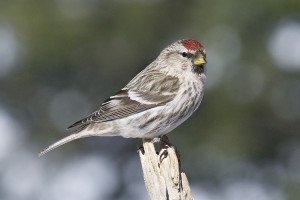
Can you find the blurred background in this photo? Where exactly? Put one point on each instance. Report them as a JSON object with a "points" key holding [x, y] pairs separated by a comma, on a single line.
{"points": [[59, 60]]}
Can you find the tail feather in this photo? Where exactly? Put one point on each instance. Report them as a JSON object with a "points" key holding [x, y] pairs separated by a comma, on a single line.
{"points": [[65, 140]]}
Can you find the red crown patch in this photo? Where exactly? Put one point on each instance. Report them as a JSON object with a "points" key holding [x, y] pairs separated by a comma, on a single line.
{"points": [[192, 44]]}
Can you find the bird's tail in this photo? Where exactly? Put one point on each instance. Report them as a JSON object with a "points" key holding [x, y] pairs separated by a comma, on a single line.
{"points": [[79, 133], [82, 132], [65, 140]]}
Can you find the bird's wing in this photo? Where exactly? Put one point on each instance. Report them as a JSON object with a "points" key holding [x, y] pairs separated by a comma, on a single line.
{"points": [[134, 100]]}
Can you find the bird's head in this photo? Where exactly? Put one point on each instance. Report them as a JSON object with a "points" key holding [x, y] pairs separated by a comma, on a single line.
{"points": [[187, 54]]}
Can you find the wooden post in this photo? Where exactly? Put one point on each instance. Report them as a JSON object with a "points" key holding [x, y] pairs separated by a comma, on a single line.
{"points": [[162, 175]]}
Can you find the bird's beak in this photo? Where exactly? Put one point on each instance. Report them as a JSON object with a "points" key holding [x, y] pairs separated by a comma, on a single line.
{"points": [[199, 60]]}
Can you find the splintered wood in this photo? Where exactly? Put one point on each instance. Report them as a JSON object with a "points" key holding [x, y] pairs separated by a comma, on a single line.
{"points": [[162, 175]]}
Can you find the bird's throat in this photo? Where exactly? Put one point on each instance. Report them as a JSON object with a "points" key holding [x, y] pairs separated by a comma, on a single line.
{"points": [[198, 69]]}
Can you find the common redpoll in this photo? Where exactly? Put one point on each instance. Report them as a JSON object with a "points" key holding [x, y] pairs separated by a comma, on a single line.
{"points": [[154, 102]]}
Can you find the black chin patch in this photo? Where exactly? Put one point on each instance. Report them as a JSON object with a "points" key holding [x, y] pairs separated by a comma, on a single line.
{"points": [[198, 69]]}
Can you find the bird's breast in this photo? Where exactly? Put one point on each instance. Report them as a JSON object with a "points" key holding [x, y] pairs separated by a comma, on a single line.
{"points": [[188, 99]]}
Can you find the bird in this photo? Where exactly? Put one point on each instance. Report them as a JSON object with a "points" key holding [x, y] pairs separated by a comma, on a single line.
{"points": [[157, 100]]}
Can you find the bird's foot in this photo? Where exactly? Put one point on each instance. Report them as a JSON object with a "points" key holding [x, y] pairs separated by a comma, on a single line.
{"points": [[165, 141], [141, 149]]}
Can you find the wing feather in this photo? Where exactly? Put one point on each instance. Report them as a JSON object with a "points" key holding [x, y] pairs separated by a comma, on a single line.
{"points": [[138, 99]]}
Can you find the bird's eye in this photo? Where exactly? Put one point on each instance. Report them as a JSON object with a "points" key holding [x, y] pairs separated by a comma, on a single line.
{"points": [[187, 55]]}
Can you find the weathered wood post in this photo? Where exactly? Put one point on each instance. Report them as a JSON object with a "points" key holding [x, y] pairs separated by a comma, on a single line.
{"points": [[162, 174]]}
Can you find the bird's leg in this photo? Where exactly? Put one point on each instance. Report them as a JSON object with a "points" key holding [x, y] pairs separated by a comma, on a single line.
{"points": [[165, 141], [156, 140], [140, 149]]}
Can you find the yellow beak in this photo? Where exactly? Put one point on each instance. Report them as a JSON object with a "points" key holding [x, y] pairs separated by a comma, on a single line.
{"points": [[199, 61]]}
